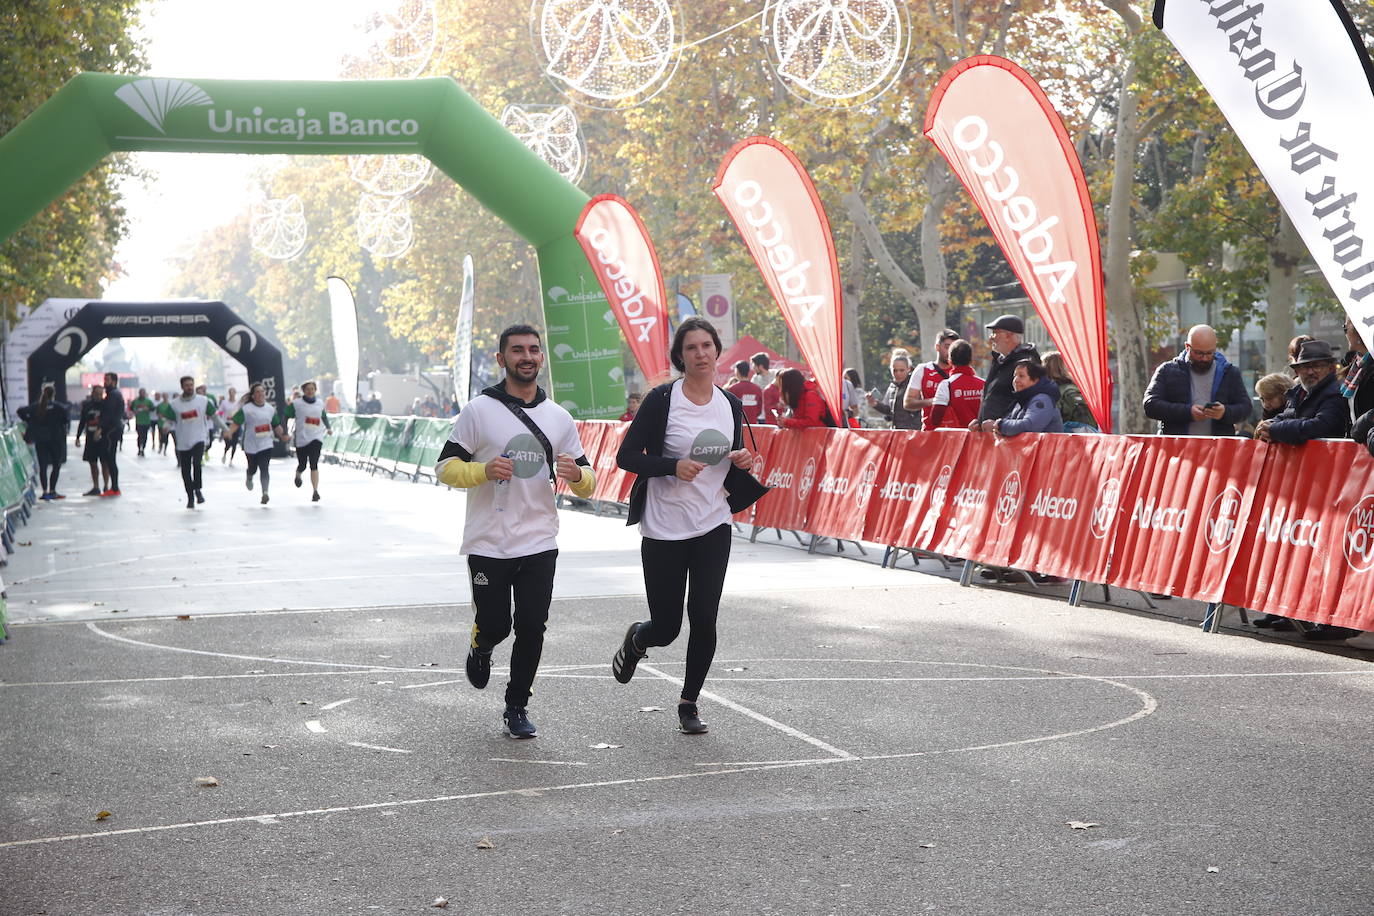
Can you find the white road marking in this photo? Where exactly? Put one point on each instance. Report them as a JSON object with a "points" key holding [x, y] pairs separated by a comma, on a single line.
{"points": [[337, 703], [316, 726], [757, 716], [179, 677], [379, 747], [552, 763]]}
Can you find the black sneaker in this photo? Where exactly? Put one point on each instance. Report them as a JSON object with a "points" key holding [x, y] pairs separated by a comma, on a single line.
{"points": [[264, 499], [200, 497], [516, 723], [627, 657], [248, 480], [688, 721], [298, 480], [315, 497], [479, 667], [190, 503], [1325, 632]]}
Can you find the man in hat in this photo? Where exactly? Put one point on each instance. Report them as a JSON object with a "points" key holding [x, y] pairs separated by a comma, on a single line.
{"points": [[1314, 408], [1006, 335], [926, 379], [1198, 393]]}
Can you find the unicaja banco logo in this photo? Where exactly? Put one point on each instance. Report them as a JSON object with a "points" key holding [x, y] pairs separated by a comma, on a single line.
{"points": [[154, 99]]}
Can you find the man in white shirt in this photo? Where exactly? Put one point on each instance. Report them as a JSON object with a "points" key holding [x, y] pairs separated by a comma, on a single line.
{"points": [[502, 451], [190, 417]]}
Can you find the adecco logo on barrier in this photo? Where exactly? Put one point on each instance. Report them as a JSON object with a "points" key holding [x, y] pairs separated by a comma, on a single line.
{"points": [[1008, 499], [808, 477], [1104, 509], [1357, 541], [937, 492], [866, 481], [1223, 520]]}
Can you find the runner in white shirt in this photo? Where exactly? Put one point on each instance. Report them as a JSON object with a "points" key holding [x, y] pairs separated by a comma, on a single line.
{"points": [[510, 532], [686, 447], [189, 416], [312, 422], [260, 422]]}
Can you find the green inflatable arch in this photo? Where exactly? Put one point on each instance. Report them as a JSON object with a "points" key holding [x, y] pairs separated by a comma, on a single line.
{"points": [[98, 113]]}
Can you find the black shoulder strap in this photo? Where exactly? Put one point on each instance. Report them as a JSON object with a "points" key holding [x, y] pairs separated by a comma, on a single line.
{"points": [[533, 427]]}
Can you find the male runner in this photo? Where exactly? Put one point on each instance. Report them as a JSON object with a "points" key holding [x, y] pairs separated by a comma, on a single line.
{"points": [[142, 407], [189, 416], [312, 421], [111, 432], [502, 450]]}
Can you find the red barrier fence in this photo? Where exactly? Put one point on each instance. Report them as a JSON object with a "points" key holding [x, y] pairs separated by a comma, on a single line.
{"points": [[1275, 528]]}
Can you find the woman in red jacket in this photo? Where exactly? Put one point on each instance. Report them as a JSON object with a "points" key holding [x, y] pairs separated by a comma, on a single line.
{"points": [[803, 398]]}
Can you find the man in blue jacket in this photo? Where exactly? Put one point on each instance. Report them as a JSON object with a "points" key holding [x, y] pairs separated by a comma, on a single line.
{"points": [[1198, 393]]}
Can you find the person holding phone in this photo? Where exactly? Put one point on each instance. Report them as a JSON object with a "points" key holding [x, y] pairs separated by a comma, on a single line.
{"points": [[1198, 393]]}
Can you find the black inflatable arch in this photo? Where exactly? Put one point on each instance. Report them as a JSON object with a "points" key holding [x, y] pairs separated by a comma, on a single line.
{"points": [[95, 321]]}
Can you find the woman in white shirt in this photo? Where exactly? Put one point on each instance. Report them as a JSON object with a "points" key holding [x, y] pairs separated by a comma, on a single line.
{"points": [[686, 446], [259, 421]]}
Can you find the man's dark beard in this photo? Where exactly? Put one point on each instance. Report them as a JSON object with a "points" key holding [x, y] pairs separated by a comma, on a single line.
{"points": [[1201, 368], [511, 374]]}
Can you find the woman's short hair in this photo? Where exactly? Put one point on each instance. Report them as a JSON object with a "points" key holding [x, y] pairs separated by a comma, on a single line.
{"points": [[694, 323]]}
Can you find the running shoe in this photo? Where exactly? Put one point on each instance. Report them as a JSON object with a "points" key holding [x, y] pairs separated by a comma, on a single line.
{"points": [[316, 497], [190, 503], [688, 721], [248, 480], [93, 491], [479, 667], [628, 656], [114, 492], [264, 499], [56, 495], [516, 723], [200, 497], [106, 492], [298, 478], [46, 496]]}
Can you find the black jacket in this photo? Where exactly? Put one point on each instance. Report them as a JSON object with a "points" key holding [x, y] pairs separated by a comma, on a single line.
{"points": [[642, 453], [51, 428], [1169, 399], [999, 397], [1317, 414]]}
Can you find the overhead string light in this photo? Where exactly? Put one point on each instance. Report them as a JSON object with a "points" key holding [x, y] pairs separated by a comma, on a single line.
{"points": [[277, 227], [837, 53], [553, 133]]}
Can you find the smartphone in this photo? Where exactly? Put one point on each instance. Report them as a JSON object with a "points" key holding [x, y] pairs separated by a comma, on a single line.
{"points": [[1210, 404]]}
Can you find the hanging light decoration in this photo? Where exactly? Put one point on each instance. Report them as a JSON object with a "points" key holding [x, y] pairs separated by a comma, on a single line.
{"points": [[390, 176], [385, 227], [614, 53], [404, 34], [553, 133], [277, 227], [837, 53]]}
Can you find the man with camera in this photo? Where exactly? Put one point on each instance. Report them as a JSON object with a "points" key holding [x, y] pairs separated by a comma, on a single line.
{"points": [[1198, 393]]}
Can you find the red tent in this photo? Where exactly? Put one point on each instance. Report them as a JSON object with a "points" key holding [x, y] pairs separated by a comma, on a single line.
{"points": [[744, 349]]}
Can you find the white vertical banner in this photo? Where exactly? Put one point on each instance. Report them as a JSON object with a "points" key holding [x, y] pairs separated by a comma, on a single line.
{"points": [[343, 317], [30, 330], [1295, 82], [235, 374], [462, 336], [718, 305]]}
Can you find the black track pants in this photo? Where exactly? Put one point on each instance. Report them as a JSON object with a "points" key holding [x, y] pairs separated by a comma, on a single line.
{"points": [[529, 580], [695, 569], [189, 462]]}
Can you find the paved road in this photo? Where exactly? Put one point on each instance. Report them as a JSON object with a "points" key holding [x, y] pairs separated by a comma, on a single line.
{"points": [[882, 741]]}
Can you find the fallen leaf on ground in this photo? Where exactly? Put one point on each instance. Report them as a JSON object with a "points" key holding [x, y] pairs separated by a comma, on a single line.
{"points": [[651, 709], [102, 815], [927, 845], [429, 664], [604, 746], [745, 668], [1212, 870], [183, 617], [24, 543], [485, 843], [207, 782], [1081, 825], [304, 703], [440, 902]]}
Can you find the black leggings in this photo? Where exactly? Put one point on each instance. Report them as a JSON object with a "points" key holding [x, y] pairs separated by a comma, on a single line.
{"points": [[311, 453], [143, 437], [258, 461], [669, 567], [530, 580], [189, 462], [49, 465]]}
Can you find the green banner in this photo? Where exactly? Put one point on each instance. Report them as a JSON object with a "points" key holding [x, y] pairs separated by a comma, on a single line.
{"points": [[98, 113]]}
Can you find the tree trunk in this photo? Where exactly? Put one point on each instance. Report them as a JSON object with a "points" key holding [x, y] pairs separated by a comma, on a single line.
{"points": [[1127, 327], [853, 291], [1286, 251], [928, 302]]}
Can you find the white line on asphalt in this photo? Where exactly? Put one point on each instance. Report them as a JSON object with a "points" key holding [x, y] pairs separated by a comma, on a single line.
{"points": [[181, 677], [337, 703], [552, 763], [160, 556], [251, 658], [757, 716], [379, 747], [316, 726], [110, 589]]}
